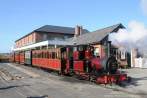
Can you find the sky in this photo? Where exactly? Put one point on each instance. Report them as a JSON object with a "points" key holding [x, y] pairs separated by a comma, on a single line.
{"points": [[19, 17]]}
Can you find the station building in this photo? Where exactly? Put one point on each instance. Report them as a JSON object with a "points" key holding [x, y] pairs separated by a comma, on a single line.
{"points": [[47, 36]]}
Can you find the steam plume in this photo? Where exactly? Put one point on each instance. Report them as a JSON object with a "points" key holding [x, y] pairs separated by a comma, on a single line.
{"points": [[133, 37]]}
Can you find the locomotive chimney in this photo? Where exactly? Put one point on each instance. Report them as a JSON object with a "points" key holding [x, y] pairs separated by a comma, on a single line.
{"points": [[108, 46], [78, 30]]}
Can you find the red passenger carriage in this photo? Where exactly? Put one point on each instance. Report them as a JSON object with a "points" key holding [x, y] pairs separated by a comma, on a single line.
{"points": [[49, 59], [77, 60]]}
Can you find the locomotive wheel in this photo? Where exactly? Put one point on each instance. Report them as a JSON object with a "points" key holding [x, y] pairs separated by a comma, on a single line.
{"points": [[59, 73], [129, 79]]}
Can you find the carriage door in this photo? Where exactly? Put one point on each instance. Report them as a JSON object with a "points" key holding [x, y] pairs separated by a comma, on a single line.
{"points": [[66, 60], [70, 58], [63, 59]]}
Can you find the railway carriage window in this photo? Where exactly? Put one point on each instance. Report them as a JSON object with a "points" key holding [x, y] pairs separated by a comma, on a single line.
{"points": [[75, 49], [81, 48], [53, 55], [96, 52], [63, 55], [40, 55], [33, 55], [43, 55], [123, 54], [50, 55], [119, 54], [36, 55], [57, 54], [46, 54]]}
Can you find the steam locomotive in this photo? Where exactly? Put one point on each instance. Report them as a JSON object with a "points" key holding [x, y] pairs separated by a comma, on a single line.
{"points": [[78, 60]]}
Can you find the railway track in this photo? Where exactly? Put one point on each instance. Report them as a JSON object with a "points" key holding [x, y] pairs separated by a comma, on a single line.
{"points": [[7, 75]]}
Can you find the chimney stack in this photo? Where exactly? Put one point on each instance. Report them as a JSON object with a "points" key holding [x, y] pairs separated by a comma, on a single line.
{"points": [[78, 30]]}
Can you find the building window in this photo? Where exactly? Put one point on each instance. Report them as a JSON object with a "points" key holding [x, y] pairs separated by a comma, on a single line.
{"points": [[65, 37], [44, 37]]}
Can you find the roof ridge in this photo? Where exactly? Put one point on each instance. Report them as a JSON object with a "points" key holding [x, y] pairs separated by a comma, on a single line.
{"points": [[108, 27], [101, 29], [59, 26], [97, 35], [54, 26]]}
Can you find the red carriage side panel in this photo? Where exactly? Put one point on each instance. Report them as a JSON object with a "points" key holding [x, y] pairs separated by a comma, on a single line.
{"points": [[88, 54], [22, 58], [76, 55], [78, 66], [44, 59], [54, 64], [17, 58], [34, 58]]}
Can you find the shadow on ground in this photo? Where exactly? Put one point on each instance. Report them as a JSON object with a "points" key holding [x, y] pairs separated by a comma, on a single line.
{"points": [[44, 96], [135, 81], [10, 87]]}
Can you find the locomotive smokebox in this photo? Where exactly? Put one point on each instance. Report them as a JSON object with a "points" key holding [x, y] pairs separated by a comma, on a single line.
{"points": [[108, 47]]}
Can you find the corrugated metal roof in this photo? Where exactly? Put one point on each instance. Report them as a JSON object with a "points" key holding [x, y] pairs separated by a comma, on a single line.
{"points": [[96, 36]]}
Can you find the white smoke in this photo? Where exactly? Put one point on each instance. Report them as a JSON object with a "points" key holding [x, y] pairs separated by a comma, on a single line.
{"points": [[144, 6], [135, 36]]}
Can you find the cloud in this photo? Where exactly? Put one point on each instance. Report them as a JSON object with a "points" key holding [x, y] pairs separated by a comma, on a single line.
{"points": [[144, 6]]}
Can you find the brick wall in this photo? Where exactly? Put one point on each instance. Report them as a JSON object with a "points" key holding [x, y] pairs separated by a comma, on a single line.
{"points": [[40, 36], [26, 40]]}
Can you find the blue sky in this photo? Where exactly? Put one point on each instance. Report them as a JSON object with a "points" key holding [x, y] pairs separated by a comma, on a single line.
{"points": [[19, 17]]}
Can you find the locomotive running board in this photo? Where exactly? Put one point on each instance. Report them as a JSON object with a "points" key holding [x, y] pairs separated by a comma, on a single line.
{"points": [[111, 78]]}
